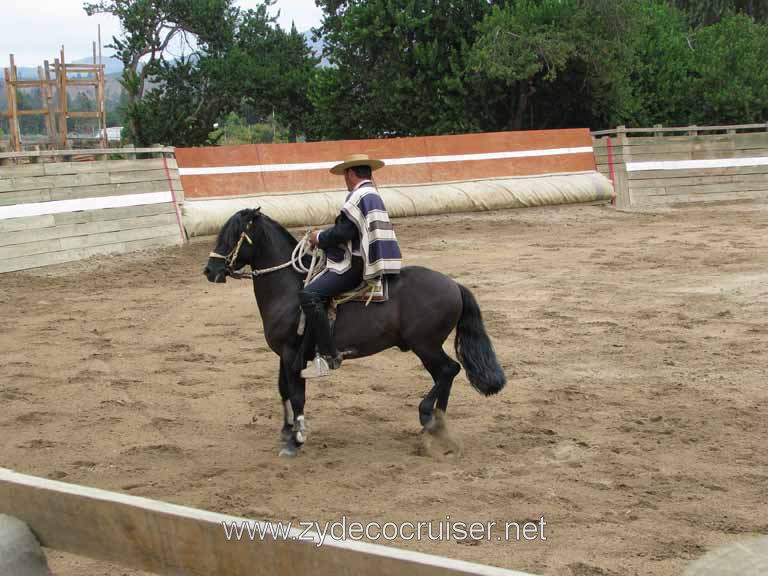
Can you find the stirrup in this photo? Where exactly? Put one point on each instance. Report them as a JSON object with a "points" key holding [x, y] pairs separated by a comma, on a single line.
{"points": [[317, 368]]}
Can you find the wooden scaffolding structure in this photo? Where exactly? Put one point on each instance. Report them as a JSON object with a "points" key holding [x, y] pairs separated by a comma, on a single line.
{"points": [[53, 81]]}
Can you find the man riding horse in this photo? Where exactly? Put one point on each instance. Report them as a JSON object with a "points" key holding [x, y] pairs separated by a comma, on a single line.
{"points": [[360, 246], [423, 306]]}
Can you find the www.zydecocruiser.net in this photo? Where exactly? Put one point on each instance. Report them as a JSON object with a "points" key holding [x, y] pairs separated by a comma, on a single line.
{"points": [[447, 530]]}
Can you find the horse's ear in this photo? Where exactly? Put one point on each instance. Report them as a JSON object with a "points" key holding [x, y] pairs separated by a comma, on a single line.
{"points": [[251, 214]]}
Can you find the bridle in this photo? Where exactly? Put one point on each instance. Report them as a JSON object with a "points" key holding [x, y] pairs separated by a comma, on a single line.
{"points": [[298, 254], [231, 258]]}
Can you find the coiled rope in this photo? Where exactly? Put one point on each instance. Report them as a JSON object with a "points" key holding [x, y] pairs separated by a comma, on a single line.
{"points": [[303, 248]]}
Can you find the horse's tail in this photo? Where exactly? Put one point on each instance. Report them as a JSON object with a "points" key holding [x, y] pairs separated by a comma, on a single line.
{"points": [[474, 349]]}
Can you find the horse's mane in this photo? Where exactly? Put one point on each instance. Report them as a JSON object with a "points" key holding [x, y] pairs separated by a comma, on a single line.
{"points": [[273, 230], [230, 232], [267, 230]]}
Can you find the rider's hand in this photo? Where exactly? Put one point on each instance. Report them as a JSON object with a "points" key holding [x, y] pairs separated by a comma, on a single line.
{"points": [[314, 237]]}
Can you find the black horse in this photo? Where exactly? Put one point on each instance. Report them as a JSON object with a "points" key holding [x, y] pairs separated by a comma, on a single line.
{"points": [[423, 308]]}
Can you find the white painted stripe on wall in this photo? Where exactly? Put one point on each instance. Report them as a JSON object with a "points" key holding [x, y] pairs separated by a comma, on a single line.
{"points": [[389, 161], [256, 168], [689, 164], [80, 204]]}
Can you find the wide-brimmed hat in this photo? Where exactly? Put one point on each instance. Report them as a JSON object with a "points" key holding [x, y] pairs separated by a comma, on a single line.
{"points": [[356, 160]]}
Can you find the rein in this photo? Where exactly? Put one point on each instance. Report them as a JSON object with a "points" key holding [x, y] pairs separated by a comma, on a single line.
{"points": [[301, 250]]}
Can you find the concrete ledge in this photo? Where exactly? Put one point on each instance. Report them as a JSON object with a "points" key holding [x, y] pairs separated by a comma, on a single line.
{"points": [[741, 558]]}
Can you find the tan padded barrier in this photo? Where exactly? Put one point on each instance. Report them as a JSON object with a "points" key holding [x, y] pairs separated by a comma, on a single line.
{"points": [[205, 217]]}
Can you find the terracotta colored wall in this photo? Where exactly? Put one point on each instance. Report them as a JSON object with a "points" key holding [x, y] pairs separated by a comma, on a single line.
{"points": [[260, 179]]}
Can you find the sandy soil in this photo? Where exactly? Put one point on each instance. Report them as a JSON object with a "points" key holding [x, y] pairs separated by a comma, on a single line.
{"points": [[634, 421]]}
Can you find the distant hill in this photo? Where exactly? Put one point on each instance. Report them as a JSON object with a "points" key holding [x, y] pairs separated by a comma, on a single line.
{"points": [[115, 66], [26, 72], [112, 66], [114, 69]]}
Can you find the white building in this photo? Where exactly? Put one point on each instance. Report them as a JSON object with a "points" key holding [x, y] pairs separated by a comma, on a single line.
{"points": [[113, 134]]}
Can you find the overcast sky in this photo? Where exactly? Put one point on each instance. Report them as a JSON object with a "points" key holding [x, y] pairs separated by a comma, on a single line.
{"points": [[34, 30]]}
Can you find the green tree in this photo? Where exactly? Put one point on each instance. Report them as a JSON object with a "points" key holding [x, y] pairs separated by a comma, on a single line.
{"points": [[3, 98], [521, 46], [267, 70], [27, 100], [397, 68], [654, 68], [706, 12], [239, 56], [149, 27], [234, 129], [414, 67], [555, 63], [116, 110], [180, 110], [81, 103], [728, 82]]}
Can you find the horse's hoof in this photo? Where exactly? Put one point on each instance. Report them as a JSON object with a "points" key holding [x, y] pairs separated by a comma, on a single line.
{"points": [[426, 411], [291, 448], [432, 425], [289, 452], [436, 441]]}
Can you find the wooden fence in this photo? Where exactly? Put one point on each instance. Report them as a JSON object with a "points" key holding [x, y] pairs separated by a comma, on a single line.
{"points": [[174, 540], [64, 205], [54, 211], [667, 166]]}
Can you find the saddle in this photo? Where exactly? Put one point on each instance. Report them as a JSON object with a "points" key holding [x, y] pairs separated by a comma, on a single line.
{"points": [[368, 292]]}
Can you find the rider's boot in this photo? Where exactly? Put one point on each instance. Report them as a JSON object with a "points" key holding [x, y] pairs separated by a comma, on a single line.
{"points": [[318, 331]]}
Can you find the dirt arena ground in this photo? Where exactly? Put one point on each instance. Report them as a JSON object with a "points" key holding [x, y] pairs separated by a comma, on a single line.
{"points": [[634, 420]]}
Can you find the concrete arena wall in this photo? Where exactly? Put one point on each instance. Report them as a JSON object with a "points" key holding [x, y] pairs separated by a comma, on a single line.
{"points": [[204, 217]]}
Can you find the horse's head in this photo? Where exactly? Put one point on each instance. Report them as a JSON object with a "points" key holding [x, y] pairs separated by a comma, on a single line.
{"points": [[233, 246]]}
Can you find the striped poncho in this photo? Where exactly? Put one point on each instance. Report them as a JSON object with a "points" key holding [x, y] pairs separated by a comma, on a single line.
{"points": [[377, 243]]}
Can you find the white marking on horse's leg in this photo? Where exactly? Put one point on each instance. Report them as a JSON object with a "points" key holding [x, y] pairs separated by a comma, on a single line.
{"points": [[301, 429], [288, 412]]}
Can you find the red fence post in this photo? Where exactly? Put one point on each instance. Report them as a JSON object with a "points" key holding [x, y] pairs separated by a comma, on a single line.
{"points": [[610, 168]]}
